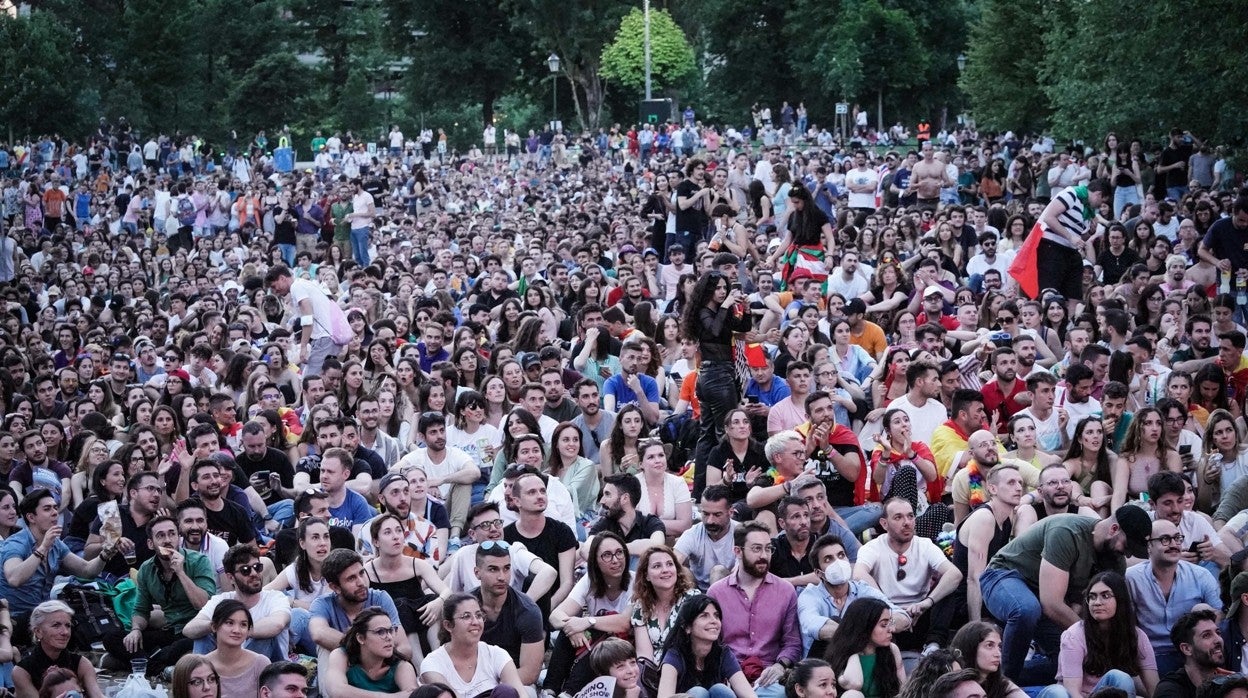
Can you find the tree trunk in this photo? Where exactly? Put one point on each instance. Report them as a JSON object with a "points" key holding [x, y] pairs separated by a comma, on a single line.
{"points": [[487, 108]]}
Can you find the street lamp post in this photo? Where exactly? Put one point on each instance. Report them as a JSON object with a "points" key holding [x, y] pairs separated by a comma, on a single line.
{"points": [[552, 62]]}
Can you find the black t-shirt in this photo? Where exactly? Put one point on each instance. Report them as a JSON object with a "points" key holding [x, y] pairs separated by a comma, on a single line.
{"points": [[230, 524], [783, 564], [519, 623], [1226, 241], [137, 534], [644, 526], [613, 347], [692, 219], [555, 538], [840, 490], [367, 461], [1114, 266], [1176, 684], [36, 663], [492, 301], [273, 461], [1179, 176], [284, 232], [721, 456]]}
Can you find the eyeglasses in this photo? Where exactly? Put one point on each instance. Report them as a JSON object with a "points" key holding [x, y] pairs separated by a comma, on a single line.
{"points": [[1058, 483], [492, 523], [470, 616], [612, 554], [197, 682], [254, 568], [388, 631], [1176, 539], [152, 488], [1006, 318], [1102, 596], [500, 544], [760, 549], [901, 562]]}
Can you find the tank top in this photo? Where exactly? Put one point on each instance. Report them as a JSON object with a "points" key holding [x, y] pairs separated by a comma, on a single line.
{"points": [[405, 589], [1038, 507], [1001, 535]]}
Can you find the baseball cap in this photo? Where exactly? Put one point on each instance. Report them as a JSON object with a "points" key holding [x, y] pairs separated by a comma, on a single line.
{"points": [[1239, 587], [528, 359], [800, 273], [933, 289], [855, 306], [390, 479], [1137, 526]]}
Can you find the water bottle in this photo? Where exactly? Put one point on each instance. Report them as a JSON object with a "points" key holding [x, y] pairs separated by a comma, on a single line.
{"points": [[1225, 286], [1241, 292]]}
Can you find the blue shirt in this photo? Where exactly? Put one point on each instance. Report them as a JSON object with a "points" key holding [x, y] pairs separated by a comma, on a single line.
{"points": [[354, 512], [815, 607], [616, 386], [38, 588], [328, 609], [778, 391], [1156, 614]]}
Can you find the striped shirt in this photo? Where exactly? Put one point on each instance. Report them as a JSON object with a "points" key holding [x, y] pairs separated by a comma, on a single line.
{"points": [[1071, 219]]}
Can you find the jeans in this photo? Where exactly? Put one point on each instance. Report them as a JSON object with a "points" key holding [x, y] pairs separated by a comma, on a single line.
{"points": [[718, 391], [684, 239], [1114, 678], [772, 690], [861, 518], [300, 631], [717, 690], [1175, 193], [288, 253], [275, 648], [1010, 600], [359, 245], [1124, 197], [320, 350]]}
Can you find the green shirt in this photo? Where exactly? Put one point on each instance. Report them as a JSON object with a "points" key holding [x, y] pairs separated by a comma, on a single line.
{"points": [[1065, 541], [170, 596]]}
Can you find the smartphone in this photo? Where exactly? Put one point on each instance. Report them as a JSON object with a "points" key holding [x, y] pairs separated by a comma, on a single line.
{"points": [[1193, 547], [752, 399], [735, 287], [262, 475], [1185, 450]]}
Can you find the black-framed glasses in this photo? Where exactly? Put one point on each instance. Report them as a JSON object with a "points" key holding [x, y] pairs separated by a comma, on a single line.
{"points": [[200, 682], [1175, 539], [387, 631], [492, 523], [612, 554]]}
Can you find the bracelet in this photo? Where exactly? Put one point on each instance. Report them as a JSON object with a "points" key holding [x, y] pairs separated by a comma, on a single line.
{"points": [[41, 555]]}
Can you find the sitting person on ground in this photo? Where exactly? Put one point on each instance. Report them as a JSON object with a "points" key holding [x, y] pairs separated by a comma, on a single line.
{"points": [[696, 661], [367, 665]]}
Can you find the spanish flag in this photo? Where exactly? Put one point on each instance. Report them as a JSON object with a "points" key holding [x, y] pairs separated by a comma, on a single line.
{"points": [[1024, 267]]}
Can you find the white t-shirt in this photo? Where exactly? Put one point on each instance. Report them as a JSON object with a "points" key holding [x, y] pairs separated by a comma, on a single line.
{"points": [[675, 491], [923, 420], [462, 578], [1048, 431], [474, 444], [1194, 528], [859, 177], [454, 461], [322, 306], [703, 554], [598, 605], [491, 661], [270, 602], [923, 559], [1077, 411], [360, 204]]}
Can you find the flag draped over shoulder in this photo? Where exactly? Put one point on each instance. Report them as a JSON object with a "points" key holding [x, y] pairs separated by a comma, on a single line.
{"points": [[1024, 267]]}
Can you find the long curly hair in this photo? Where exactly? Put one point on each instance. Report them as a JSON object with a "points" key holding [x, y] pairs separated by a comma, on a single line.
{"points": [[644, 593], [1075, 450], [703, 291]]}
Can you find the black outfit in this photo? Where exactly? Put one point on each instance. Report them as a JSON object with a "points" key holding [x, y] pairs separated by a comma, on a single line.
{"points": [[519, 623], [286, 544], [1038, 507], [129, 529], [368, 461], [284, 232], [783, 563], [723, 455], [718, 388], [658, 228], [644, 526], [554, 539], [1113, 266], [36, 663], [231, 524], [1001, 535], [409, 597], [1176, 684], [273, 461]]}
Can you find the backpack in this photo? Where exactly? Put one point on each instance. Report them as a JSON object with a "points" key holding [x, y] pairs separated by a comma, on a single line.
{"points": [[186, 211], [94, 616], [680, 433]]}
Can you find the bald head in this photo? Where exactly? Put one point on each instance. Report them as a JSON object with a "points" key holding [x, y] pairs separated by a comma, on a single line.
{"points": [[983, 448]]}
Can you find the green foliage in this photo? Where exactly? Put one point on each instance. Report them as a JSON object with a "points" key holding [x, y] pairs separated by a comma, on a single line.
{"points": [[272, 92], [671, 56], [356, 104], [41, 83], [1002, 66], [1033, 64]]}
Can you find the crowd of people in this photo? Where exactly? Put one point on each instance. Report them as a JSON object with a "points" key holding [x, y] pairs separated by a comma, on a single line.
{"points": [[712, 416]]}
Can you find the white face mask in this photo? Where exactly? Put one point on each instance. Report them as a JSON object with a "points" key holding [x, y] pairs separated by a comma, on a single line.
{"points": [[837, 573]]}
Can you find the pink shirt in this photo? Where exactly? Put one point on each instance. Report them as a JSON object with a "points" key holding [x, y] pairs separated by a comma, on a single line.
{"points": [[785, 415], [1075, 648], [765, 628]]}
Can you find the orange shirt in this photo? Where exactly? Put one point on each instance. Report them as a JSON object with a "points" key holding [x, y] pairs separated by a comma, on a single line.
{"points": [[689, 393], [54, 202]]}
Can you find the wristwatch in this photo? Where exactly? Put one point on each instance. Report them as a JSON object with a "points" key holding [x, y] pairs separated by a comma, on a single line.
{"points": [[593, 621]]}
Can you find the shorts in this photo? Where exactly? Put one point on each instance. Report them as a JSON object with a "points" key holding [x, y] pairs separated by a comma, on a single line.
{"points": [[1060, 268]]}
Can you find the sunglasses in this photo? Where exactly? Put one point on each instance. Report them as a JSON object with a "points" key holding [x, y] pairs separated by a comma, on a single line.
{"points": [[254, 568], [901, 562]]}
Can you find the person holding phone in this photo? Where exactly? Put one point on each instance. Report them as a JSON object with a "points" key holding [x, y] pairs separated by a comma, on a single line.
{"points": [[714, 314]]}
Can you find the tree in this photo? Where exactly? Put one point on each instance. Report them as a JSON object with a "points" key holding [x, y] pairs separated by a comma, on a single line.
{"points": [[435, 35], [577, 31], [274, 92], [671, 57], [1003, 59], [42, 82]]}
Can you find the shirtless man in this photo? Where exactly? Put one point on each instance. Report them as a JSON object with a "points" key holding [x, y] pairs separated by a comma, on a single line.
{"points": [[927, 177]]}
